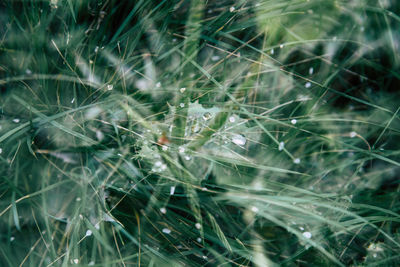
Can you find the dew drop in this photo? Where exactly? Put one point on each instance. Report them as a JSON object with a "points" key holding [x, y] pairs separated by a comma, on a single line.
{"points": [[307, 235], [254, 209], [281, 46], [158, 85], [307, 85], [16, 120], [73, 100], [198, 225], [353, 134], [182, 90], [166, 231], [215, 58], [272, 51], [239, 140], [232, 8], [232, 119], [198, 239], [91, 263], [182, 105], [76, 261], [296, 161], [12, 239], [1, 150], [281, 146], [294, 121], [172, 190], [207, 116], [311, 71], [187, 157], [181, 149], [88, 233], [110, 87], [163, 210]]}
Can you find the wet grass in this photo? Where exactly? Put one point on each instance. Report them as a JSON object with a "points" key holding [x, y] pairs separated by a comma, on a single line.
{"points": [[199, 133]]}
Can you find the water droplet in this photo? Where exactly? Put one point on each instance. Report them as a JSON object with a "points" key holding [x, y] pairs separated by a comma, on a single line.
{"points": [[91, 263], [28, 71], [163, 210], [294, 121], [281, 146], [198, 225], [73, 100], [272, 51], [204, 189], [172, 190], [207, 116], [78, 199], [296, 161], [254, 209], [307, 85], [353, 134], [307, 235], [97, 226], [164, 148], [232, 8], [96, 49], [311, 71], [12, 239], [182, 105], [232, 119], [198, 239], [1, 150], [76, 261], [215, 58], [239, 140], [281, 46], [182, 90], [88, 233], [16, 120], [166, 231], [110, 87], [158, 85], [187, 157], [181, 149]]}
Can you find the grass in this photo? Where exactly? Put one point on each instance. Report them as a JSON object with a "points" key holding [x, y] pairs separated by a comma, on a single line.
{"points": [[199, 133]]}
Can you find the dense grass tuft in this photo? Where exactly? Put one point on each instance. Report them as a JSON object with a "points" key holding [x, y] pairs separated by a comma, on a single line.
{"points": [[199, 133]]}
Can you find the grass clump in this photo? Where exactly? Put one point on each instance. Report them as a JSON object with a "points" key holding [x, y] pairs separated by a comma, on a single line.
{"points": [[199, 133]]}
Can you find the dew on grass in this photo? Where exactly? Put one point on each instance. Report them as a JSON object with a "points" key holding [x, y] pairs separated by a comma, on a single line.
{"points": [[232, 8], [88, 233], [187, 157], [311, 70], [307, 235], [78, 199], [182, 105], [272, 51], [294, 121], [182, 90], [296, 161], [232, 119], [181, 149], [163, 210], [198, 225], [12, 239], [353, 134], [1, 150], [91, 263], [207, 116], [164, 148], [281, 46], [215, 58], [76, 261], [16, 120], [239, 140], [73, 100], [198, 239], [110, 87], [28, 72], [307, 85], [166, 231], [172, 190], [158, 85], [281, 146]]}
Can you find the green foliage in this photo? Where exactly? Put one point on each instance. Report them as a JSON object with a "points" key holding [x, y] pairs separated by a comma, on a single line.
{"points": [[199, 133]]}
